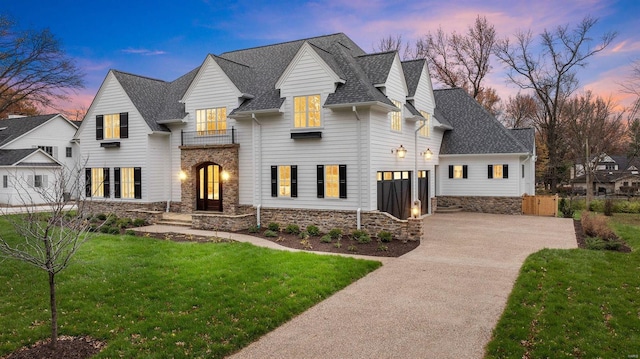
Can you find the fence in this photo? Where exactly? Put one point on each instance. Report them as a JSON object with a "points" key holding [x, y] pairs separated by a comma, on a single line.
{"points": [[540, 205]]}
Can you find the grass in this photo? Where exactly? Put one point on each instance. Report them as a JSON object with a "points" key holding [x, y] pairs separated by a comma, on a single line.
{"points": [[575, 303], [184, 300]]}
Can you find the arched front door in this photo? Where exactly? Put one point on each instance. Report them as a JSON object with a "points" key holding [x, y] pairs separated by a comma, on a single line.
{"points": [[209, 187]]}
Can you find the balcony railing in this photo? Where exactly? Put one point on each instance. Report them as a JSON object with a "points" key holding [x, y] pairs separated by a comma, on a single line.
{"points": [[208, 137]]}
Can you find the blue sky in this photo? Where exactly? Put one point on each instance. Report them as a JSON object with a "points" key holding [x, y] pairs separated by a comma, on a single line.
{"points": [[165, 39]]}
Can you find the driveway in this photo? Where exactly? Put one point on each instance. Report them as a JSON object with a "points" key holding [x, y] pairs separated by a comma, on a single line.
{"points": [[441, 300]]}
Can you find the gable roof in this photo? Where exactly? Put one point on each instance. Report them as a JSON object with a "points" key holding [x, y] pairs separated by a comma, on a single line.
{"points": [[475, 131], [14, 157], [412, 72], [526, 136], [13, 128], [377, 66]]}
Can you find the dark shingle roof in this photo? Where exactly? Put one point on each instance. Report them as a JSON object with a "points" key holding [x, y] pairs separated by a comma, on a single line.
{"points": [[377, 66], [12, 128], [10, 157], [475, 131], [526, 136], [412, 72]]}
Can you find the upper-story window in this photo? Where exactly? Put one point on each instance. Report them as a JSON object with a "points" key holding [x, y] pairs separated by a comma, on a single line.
{"points": [[211, 121], [112, 126], [425, 130], [306, 111], [396, 117], [47, 149]]}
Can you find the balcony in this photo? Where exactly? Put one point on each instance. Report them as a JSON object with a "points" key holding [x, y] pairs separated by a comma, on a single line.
{"points": [[208, 137]]}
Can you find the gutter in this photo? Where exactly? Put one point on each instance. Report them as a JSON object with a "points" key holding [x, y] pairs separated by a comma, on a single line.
{"points": [[359, 136]]}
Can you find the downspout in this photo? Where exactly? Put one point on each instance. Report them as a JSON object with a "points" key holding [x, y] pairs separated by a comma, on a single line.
{"points": [[416, 201], [257, 167], [359, 135], [170, 173]]}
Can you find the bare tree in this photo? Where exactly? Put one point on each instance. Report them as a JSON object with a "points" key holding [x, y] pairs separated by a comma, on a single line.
{"points": [[47, 240], [550, 72], [593, 128], [34, 67], [395, 43], [520, 111]]}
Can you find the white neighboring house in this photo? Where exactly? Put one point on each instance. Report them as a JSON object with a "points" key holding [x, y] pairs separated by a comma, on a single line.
{"points": [[34, 152], [313, 131]]}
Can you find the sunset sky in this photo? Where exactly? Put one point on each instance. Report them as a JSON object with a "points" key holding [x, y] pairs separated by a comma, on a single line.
{"points": [[165, 39]]}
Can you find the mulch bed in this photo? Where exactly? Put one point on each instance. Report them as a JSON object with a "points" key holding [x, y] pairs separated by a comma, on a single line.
{"points": [[581, 238], [66, 348]]}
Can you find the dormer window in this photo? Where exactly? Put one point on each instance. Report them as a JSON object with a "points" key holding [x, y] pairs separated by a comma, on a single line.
{"points": [[306, 111], [425, 130], [211, 121]]}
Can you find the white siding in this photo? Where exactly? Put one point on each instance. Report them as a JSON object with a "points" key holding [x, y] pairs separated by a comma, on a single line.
{"points": [[174, 162], [478, 183], [157, 174], [20, 190], [308, 76]]}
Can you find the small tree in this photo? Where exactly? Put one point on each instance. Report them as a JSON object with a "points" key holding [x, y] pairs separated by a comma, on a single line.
{"points": [[50, 234]]}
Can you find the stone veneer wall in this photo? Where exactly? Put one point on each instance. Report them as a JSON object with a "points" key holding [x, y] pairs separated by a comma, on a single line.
{"points": [[226, 156], [497, 205], [151, 212], [223, 222]]}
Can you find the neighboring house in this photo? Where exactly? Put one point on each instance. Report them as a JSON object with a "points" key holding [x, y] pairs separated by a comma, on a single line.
{"points": [[313, 131], [614, 174], [34, 152]]}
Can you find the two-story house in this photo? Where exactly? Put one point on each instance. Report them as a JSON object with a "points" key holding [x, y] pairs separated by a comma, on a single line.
{"points": [[313, 131]]}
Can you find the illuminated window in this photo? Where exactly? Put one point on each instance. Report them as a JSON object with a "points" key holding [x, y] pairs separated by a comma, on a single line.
{"points": [[332, 181], [306, 111], [457, 171], [498, 171], [211, 121], [425, 130], [112, 126], [126, 182], [396, 117], [284, 181], [97, 182]]}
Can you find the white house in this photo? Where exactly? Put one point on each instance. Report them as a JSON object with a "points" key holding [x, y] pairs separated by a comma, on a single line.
{"points": [[35, 153], [313, 131]]}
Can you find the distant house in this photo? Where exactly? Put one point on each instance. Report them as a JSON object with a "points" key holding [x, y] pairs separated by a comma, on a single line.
{"points": [[614, 174], [313, 131], [34, 153]]}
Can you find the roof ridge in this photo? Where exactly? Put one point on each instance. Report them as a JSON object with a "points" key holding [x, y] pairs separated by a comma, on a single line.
{"points": [[282, 43], [414, 60], [141, 76], [377, 53], [231, 61]]}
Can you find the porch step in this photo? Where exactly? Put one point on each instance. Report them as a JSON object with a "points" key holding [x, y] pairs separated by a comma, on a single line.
{"points": [[448, 209], [176, 219]]}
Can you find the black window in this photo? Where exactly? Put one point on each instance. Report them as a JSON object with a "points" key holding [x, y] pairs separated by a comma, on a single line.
{"points": [[327, 186], [69, 152], [5, 181], [47, 149]]}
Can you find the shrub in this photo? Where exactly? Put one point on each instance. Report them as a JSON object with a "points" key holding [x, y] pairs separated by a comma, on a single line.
{"points": [[271, 234], [303, 235], [337, 244], [306, 244], [352, 248], [139, 222], [599, 244], [130, 232], [596, 206], [336, 233], [123, 222], [595, 225], [361, 236], [326, 239], [254, 229], [105, 229], [101, 216], [385, 236], [273, 226], [313, 230], [111, 220], [292, 229], [608, 207], [383, 248]]}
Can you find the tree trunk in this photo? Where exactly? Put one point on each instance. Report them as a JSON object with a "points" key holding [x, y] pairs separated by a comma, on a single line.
{"points": [[54, 310]]}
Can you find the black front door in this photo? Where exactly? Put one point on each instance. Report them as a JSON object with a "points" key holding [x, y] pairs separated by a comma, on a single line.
{"points": [[209, 187]]}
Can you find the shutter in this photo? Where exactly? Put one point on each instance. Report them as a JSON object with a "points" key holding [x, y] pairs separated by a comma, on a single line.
{"points": [[464, 171], [294, 181], [490, 171], [320, 181], [87, 182], [45, 181], [124, 125], [505, 171], [137, 182], [342, 172], [274, 181], [522, 171], [105, 182], [99, 127], [450, 171], [116, 182], [31, 181]]}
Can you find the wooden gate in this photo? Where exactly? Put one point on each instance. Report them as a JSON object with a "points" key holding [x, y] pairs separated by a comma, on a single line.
{"points": [[540, 205]]}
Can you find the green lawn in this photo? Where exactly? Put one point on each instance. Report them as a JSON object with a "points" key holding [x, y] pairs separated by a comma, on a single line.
{"points": [[575, 303], [151, 298]]}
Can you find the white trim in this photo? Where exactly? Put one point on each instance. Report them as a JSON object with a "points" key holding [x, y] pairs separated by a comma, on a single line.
{"points": [[194, 83], [307, 48]]}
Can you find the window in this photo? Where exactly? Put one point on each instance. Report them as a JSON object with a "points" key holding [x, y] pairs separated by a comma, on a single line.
{"points": [[425, 130], [458, 171], [69, 152], [97, 182], [498, 171], [112, 126], [284, 181], [306, 111], [127, 182], [611, 167], [5, 181], [396, 117], [37, 181], [211, 121], [332, 181], [47, 149]]}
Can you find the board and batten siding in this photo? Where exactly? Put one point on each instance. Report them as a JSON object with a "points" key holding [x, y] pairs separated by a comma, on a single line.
{"points": [[133, 151], [477, 182]]}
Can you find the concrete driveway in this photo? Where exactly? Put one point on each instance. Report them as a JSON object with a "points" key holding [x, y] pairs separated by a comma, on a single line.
{"points": [[442, 300]]}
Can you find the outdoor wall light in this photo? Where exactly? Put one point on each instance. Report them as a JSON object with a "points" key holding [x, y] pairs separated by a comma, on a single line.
{"points": [[400, 151], [182, 175], [225, 176], [415, 211], [427, 154]]}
